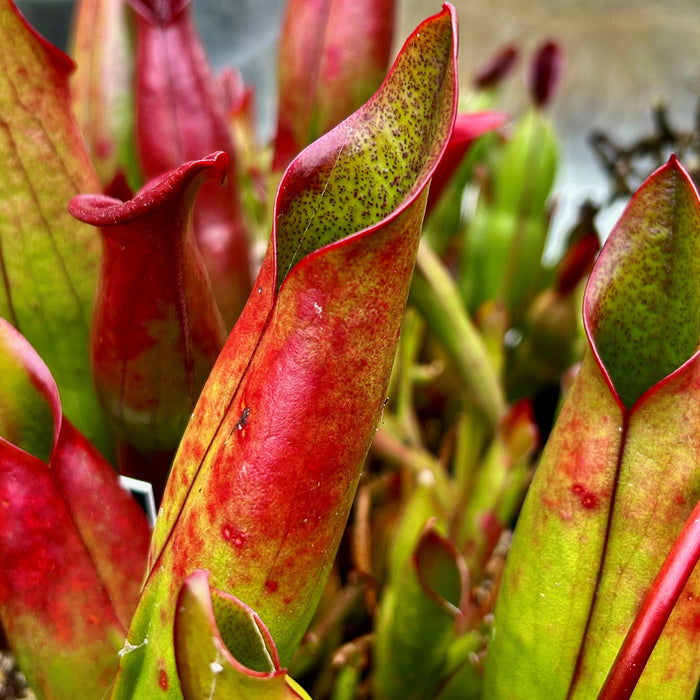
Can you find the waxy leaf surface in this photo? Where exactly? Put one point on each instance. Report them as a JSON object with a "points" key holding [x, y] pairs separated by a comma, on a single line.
{"points": [[619, 475], [48, 261], [73, 543], [266, 472], [102, 86], [30, 401], [180, 116], [651, 619], [156, 329], [333, 56], [418, 615]]}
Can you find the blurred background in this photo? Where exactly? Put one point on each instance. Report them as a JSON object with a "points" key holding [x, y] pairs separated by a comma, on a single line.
{"points": [[622, 57]]}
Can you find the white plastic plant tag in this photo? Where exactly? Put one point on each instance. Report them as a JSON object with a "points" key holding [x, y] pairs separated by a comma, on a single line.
{"points": [[143, 493]]}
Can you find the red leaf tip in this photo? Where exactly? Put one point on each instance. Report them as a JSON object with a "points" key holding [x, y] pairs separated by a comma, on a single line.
{"points": [[101, 210]]}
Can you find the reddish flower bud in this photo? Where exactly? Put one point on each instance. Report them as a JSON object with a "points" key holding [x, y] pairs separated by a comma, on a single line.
{"points": [[497, 68], [545, 73]]}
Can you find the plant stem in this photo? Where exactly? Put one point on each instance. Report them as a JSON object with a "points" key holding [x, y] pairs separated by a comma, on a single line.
{"points": [[656, 609], [436, 296]]}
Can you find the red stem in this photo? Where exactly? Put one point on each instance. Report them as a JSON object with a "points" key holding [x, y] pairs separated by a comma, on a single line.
{"points": [[651, 619]]}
